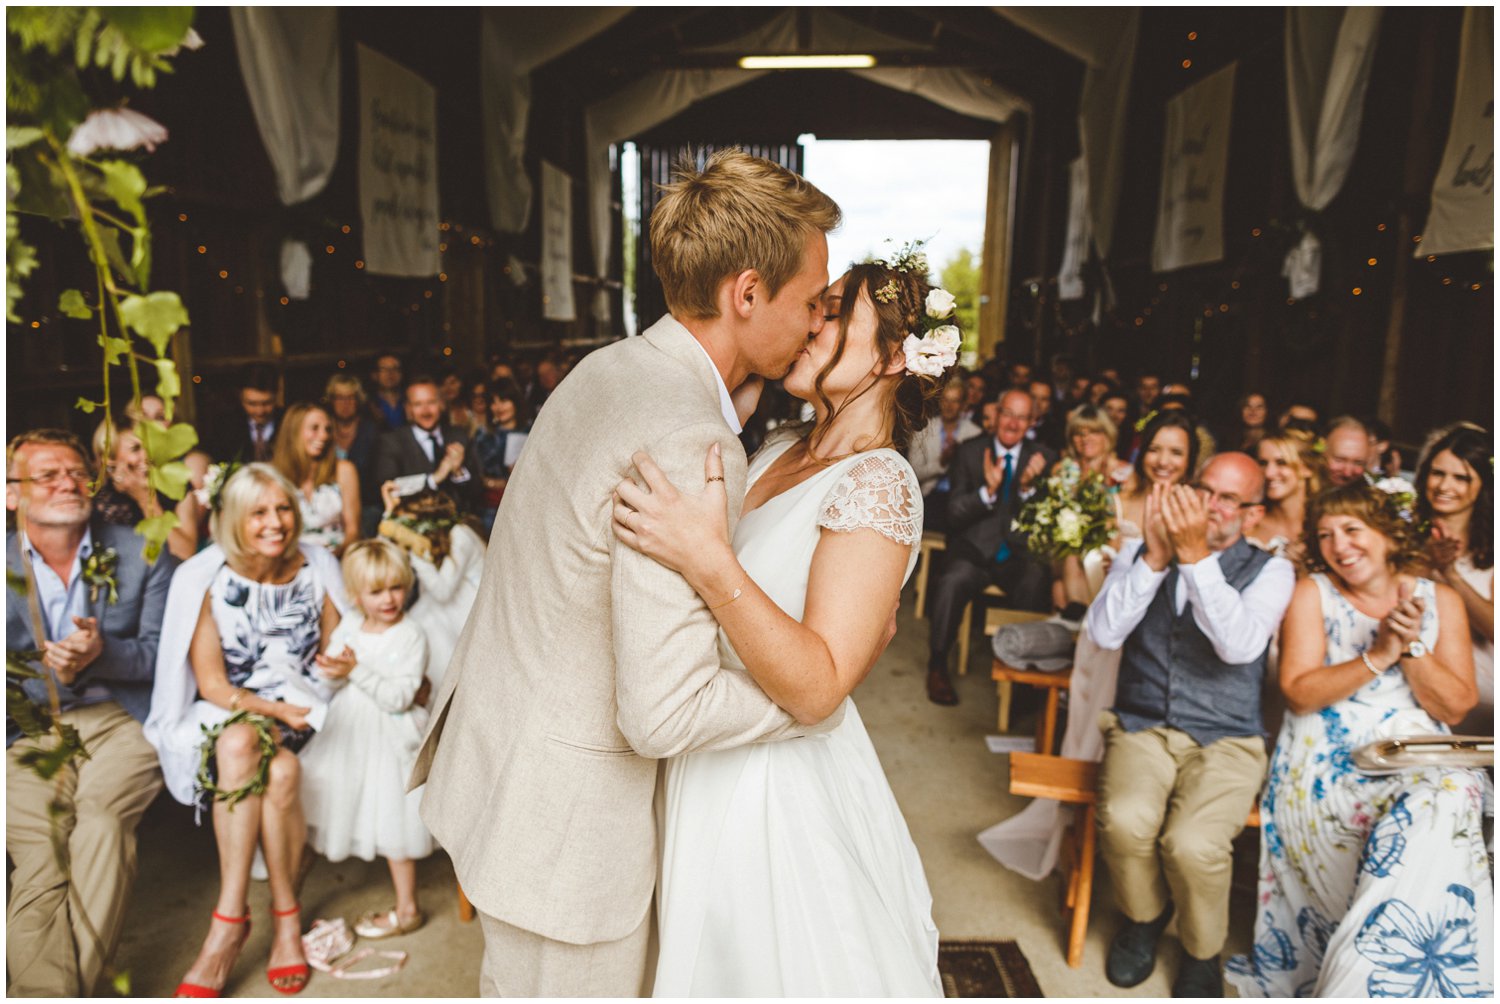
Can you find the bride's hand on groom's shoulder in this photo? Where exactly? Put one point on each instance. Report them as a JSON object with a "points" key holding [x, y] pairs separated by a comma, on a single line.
{"points": [[688, 533]]}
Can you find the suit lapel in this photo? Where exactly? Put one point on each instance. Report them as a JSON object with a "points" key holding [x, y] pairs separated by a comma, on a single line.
{"points": [[22, 616]]}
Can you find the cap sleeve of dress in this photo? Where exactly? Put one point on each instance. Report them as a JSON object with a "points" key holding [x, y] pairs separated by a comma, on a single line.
{"points": [[878, 492]]}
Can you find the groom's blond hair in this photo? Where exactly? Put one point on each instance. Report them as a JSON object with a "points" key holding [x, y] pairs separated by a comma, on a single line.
{"points": [[739, 212]]}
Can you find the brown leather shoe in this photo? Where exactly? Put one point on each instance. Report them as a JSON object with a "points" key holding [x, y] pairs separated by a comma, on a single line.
{"points": [[940, 688]]}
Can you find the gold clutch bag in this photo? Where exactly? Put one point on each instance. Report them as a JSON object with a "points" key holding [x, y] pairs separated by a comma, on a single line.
{"points": [[1391, 756]]}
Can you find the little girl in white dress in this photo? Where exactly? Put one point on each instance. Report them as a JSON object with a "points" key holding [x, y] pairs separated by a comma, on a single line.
{"points": [[354, 776]]}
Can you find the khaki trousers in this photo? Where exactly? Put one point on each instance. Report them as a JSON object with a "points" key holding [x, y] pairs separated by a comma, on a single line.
{"points": [[1168, 811], [49, 951], [521, 963]]}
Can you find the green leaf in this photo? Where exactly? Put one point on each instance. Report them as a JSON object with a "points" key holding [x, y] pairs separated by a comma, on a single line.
{"points": [[46, 762], [168, 384], [151, 30], [155, 532], [86, 406], [125, 185], [19, 136], [140, 255], [72, 305], [121, 983], [155, 317], [114, 257], [165, 445], [15, 582], [31, 718], [114, 348], [21, 663], [171, 479]]}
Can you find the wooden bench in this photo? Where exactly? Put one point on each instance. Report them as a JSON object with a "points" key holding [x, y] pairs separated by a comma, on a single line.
{"points": [[931, 541], [996, 618], [1072, 782], [1053, 682]]}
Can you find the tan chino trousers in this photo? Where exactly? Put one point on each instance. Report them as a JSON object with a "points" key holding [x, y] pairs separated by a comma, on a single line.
{"points": [[49, 952], [521, 963], [1169, 810]]}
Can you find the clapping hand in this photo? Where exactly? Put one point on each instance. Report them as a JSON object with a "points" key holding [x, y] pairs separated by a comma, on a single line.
{"points": [[1034, 468], [1157, 550], [1404, 622], [1186, 518], [994, 473], [1442, 552], [73, 654], [337, 667]]}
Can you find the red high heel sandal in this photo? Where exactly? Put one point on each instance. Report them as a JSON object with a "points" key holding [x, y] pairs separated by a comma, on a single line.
{"points": [[185, 989], [297, 973]]}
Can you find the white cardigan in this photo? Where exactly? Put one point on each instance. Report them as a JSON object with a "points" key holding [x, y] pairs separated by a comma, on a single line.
{"points": [[175, 724]]}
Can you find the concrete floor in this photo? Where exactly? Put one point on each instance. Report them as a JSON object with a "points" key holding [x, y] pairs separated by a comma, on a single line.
{"points": [[949, 785]]}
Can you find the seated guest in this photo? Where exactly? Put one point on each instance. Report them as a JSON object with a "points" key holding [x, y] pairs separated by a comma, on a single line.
{"points": [[931, 454], [1370, 885], [96, 620], [992, 476], [1294, 476], [355, 431], [1077, 392], [1098, 387], [427, 445], [327, 487], [1251, 426], [126, 497], [237, 696], [1347, 450], [251, 434], [976, 393], [447, 557], [508, 421], [389, 402], [1384, 460], [1049, 425], [1303, 413], [1019, 375], [1091, 448], [1192, 610], [1117, 406], [1456, 485], [548, 375], [1147, 390]]}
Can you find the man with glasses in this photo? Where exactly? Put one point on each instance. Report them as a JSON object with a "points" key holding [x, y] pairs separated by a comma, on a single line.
{"points": [[389, 401], [92, 607], [991, 477], [1193, 609]]}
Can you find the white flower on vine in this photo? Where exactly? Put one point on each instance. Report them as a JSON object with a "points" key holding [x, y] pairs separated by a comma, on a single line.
{"points": [[115, 129], [940, 303]]}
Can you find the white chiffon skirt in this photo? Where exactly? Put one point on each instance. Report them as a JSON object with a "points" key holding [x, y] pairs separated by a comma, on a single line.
{"points": [[788, 871]]}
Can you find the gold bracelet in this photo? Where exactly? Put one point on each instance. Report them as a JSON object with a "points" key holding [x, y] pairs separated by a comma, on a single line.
{"points": [[733, 596], [234, 702]]}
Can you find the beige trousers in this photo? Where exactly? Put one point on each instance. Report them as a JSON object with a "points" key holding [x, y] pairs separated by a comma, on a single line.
{"points": [[1169, 810], [49, 950], [520, 963]]}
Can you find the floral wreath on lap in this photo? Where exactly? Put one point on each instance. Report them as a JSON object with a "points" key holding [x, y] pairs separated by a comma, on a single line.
{"points": [[934, 349]]}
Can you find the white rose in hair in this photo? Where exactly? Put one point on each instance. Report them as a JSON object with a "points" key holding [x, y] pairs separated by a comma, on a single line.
{"points": [[924, 357], [940, 303], [948, 337]]}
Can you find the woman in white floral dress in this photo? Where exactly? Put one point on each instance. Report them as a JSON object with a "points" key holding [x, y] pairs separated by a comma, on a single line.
{"points": [[1370, 886]]}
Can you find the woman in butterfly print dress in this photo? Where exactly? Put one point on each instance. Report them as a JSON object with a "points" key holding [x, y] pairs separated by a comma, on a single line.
{"points": [[1370, 886]]}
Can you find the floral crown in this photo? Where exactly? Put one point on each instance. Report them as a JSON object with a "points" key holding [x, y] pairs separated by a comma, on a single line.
{"points": [[1401, 496], [211, 495], [933, 349]]}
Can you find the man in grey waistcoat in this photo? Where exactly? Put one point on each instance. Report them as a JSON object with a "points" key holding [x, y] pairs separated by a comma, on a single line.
{"points": [[1193, 609]]}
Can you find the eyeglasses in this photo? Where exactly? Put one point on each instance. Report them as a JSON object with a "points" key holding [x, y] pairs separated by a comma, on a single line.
{"points": [[1223, 500], [50, 479]]}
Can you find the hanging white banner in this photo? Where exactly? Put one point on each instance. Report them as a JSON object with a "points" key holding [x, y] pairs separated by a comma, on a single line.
{"points": [[1076, 250], [398, 192], [557, 245], [1195, 161], [1463, 194]]}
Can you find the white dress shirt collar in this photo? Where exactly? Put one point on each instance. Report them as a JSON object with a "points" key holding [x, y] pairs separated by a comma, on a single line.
{"points": [[726, 403]]}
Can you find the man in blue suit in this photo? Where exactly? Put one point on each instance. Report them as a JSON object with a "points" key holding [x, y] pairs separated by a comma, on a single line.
{"points": [[92, 606]]}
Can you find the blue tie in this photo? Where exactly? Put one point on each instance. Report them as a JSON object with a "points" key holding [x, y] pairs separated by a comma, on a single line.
{"points": [[1004, 550]]}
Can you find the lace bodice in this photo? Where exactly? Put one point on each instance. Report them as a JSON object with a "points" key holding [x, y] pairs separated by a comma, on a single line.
{"points": [[878, 493]]}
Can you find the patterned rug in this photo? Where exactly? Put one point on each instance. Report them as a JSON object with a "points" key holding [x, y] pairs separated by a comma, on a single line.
{"points": [[985, 969]]}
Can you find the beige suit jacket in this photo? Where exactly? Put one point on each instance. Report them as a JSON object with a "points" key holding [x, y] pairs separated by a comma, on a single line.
{"points": [[583, 662]]}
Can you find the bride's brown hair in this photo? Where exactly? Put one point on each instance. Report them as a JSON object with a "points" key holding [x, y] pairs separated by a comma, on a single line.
{"points": [[915, 398]]}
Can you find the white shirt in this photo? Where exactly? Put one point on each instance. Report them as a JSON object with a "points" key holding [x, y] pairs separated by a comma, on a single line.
{"points": [[1001, 452], [726, 403], [61, 602], [1238, 624]]}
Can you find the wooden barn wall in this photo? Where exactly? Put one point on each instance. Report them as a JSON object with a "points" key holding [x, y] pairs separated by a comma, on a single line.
{"points": [[1234, 316]]}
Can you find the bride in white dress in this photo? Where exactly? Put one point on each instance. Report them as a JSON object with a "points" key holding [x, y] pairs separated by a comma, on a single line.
{"points": [[787, 868]]}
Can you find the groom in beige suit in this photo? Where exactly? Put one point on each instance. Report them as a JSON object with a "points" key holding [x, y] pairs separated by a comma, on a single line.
{"points": [[584, 663]]}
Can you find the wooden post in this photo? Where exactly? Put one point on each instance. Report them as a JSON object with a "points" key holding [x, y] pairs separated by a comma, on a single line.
{"points": [[1418, 174], [994, 278]]}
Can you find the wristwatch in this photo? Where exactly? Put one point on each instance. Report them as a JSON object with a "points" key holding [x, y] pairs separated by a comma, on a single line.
{"points": [[1416, 650]]}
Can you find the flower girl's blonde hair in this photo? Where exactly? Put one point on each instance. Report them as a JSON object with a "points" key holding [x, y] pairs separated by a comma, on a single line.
{"points": [[373, 563]]}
